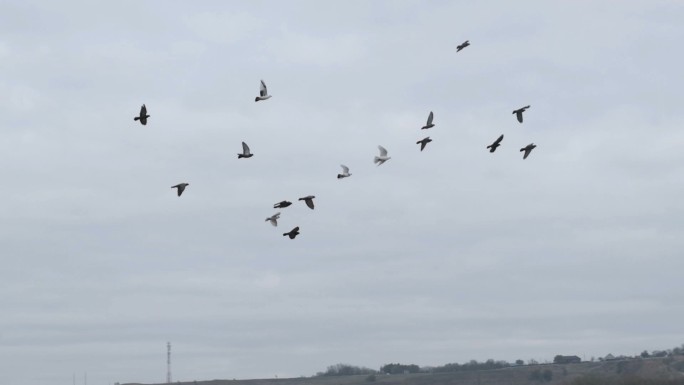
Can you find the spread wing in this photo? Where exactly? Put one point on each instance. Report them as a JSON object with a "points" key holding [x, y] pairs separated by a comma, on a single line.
{"points": [[429, 121], [245, 148], [527, 152], [423, 143], [345, 169], [496, 142], [518, 115], [309, 202], [383, 152], [263, 91], [143, 110]]}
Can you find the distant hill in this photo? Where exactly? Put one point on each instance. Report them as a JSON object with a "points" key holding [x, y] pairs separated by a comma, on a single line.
{"points": [[634, 371]]}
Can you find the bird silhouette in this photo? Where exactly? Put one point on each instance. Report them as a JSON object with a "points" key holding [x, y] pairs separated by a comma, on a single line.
{"points": [[263, 92], [424, 142], [292, 233], [143, 115], [528, 149], [181, 187], [492, 147], [309, 201], [245, 151], [281, 205], [429, 122], [519, 113], [462, 45]]}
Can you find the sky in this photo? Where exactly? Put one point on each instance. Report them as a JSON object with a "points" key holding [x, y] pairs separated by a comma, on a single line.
{"points": [[440, 256]]}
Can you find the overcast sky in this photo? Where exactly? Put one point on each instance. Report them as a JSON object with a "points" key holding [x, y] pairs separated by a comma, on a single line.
{"points": [[439, 256]]}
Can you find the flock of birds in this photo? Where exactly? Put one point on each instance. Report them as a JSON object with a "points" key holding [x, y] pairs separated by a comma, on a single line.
{"points": [[380, 159]]}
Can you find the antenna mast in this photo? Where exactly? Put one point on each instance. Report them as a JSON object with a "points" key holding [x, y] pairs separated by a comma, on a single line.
{"points": [[168, 362]]}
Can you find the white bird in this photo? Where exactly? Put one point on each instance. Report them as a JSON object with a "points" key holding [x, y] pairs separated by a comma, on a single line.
{"points": [[345, 172], [274, 219], [383, 156], [263, 93]]}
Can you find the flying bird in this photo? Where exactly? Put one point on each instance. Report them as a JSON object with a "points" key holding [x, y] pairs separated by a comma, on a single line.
{"points": [[528, 149], [492, 147], [429, 122], [309, 201], [263, 93], [383, 156], [424, 142], [273, 219], [181, 187], [519, 113], [281, 205], [245, 151], [143, 115], [345, 172], [462, 45], [293, 233]]}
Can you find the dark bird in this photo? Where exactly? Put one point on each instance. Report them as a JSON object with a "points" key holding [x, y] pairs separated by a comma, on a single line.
{"points": [[492, 147], [463, 45], [429, 122], [293, 233], [245, 151], [181, 187], [309, 201], [424, 142], [345, 172], [263, 92], [528, 149], [143, 115], [518, 113], [281, 205]]}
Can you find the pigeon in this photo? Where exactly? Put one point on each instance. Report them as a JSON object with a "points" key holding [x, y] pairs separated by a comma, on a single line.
{"points": [[293, 233], [345, 172], [424, 142], [281, 205], [429, 122], [181, 187], [518, 113], [143, 115], [492, 147], [309, 201], [245, 151], [528, 149], [383, 156], [274, 219], [463, 45], [263, 93]]}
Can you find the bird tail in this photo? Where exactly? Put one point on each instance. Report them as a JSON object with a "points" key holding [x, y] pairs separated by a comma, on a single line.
{"points": [[256, 99], [136, 118]]}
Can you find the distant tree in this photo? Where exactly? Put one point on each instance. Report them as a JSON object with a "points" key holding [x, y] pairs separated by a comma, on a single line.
{"points": [[659, 353], [532, 361], [399, 368], [345, 370], [519, 362], [645, 354]]}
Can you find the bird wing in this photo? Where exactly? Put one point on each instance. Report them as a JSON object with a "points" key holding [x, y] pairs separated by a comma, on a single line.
{"points": [[345, 169], [143, 110], [309, 202], [498, 140], [263, 91], [423, 143], [527, 152], [245, 148], [296, 229], [383, 152], [429, 121], [273, 220], [518, 114]]}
